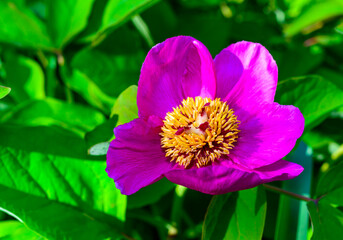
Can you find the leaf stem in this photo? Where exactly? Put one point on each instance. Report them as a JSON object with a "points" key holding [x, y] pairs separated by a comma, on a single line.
{"points": [[290, 194]]}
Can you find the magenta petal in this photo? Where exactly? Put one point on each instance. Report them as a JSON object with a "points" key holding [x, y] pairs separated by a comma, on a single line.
{"points": [[268, 136], [229, 69], [258, 81], [173, 70], [228, 177], [135, 158]]}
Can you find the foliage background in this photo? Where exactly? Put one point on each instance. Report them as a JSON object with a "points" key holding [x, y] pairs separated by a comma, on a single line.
{"points": [[72, 67]]}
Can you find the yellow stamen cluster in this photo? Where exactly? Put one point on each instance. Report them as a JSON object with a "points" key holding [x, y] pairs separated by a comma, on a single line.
{"points": [[199, 131]]}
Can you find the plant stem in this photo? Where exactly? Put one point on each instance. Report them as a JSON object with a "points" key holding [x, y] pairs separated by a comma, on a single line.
{"points": [[291, 194]]}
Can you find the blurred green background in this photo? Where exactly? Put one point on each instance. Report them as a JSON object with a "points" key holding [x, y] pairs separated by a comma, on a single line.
{"points": [[72, 67]]}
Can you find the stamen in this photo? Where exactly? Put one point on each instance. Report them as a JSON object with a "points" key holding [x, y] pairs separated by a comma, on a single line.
{"points": [[199, 132]]}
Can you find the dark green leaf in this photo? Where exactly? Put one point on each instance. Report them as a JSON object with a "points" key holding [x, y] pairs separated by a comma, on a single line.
{"points": [[49, 112], [102, 133], [4, 91], [15, 230], [150, 194], [50, 140], [125, 106], [313, 95], [237, 215], [66, 18], [25, 77], [330, 181], [19, 26], [327, 221]]}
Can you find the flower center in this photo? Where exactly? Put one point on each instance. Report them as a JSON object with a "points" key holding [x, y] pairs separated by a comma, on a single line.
{"points": [[199, 131]]}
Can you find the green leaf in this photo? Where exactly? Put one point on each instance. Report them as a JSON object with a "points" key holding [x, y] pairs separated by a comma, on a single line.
{"points": [[332, 76], [126, 105], [315, 13], [49, 112], [313, 95], [112, 73], [4, 91], [150, 194], [19, 26], [83, 85], [237, 215], [50, 140], [25, 77], [327, 221], [80, 189], [102, 133], [52, 219], [14, 230], [117, 12], [330, 181], [67, 18]]}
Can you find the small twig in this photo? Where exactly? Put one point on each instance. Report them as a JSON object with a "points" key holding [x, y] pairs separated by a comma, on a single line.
{"points": [[291, 194]]}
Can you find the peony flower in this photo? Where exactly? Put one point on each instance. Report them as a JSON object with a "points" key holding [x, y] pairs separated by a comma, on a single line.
{"points": [[209, 125]]}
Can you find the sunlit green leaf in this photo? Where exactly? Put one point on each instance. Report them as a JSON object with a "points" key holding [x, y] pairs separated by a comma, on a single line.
{"points": [[66, 18], [4, 91], [80, 189], [125, 106], [316, 13], [117, 12], [15, 230], [19, 26], [237, 215]]}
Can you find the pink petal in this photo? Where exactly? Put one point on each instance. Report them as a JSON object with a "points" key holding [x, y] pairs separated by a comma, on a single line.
{"points": [[257, 83], [178, 68], [228, 69], [268, 136], [135, 158], [227, 177]]}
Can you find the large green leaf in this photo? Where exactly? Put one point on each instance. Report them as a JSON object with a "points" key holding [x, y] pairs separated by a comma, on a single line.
{"points": [[67, 18], [19, 26], [237, 215], [117, 12], [15, 230], [50, 140], [327, 221], [315, 13], [313, 95], [4, 91], [82, 84], [51, 111], [25, 77], [112, 73], [126, 105], [37, 188]]}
